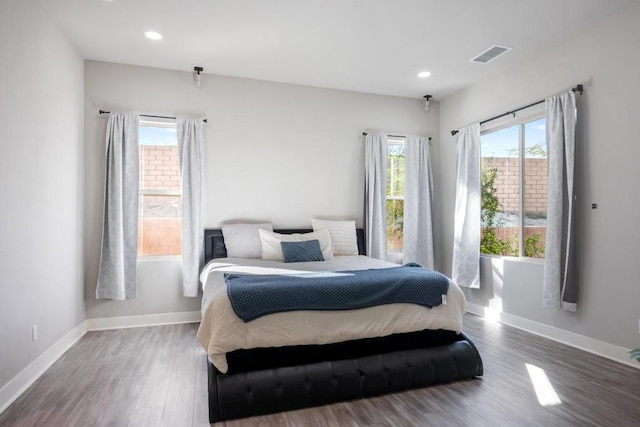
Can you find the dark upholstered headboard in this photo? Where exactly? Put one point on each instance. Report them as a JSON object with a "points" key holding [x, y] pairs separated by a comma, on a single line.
{"points": [[214, 241]]}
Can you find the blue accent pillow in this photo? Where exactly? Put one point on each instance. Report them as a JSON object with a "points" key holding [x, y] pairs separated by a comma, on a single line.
{"points": [[309, 250]]}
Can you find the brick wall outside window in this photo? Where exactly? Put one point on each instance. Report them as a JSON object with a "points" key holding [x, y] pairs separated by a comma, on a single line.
{"points": [[160, 167], [507, 183], [535, 200], [159, 224]]}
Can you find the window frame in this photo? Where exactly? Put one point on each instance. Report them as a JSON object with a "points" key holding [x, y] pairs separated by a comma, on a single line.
{"points": [[531, 114], [394, 140], [163, 123]]}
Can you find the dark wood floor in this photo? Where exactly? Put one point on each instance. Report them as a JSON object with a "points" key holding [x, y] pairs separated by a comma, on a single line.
{"points": [[156, 376]]}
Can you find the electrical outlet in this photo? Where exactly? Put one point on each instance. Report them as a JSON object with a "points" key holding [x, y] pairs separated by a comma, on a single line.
{"points": [[34, 333]]}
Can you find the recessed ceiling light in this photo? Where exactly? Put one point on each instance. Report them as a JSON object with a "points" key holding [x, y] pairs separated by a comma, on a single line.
{"points": [[424, 74], [153, 35]]}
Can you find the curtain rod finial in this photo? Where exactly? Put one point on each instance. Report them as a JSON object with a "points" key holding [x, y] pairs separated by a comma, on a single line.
{"points": [[454, 132]]}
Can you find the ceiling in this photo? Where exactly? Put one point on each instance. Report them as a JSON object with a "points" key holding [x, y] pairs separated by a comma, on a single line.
{"points": [[374, 46]]}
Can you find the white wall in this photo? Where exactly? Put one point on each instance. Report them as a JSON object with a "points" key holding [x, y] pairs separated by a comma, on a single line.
{"points": [[275, 152], [604, 57], [41, 99]]}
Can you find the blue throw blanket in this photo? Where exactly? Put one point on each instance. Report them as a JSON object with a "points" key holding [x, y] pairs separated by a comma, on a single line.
{"points": [[253, 296]]}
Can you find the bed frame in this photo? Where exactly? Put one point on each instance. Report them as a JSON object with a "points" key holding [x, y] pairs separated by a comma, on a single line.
{"points": [[268, 380]]}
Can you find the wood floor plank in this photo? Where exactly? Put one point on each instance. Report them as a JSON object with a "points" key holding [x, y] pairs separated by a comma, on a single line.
{"points": [[157, 376], [201, 380], [200, 414], [182, 386], [150, 416], [178, 415]]}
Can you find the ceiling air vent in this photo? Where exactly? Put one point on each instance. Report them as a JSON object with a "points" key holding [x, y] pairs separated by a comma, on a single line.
{"points": [[490, 54]]}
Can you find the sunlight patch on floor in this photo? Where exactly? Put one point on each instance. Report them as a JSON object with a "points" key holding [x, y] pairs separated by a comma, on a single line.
{"points": [[547, 396]]}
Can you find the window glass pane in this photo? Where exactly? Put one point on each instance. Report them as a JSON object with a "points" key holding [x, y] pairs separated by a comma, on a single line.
{"points": [[395, 195], [395, 212], [500, 181], [395, 170], [159, 225], [159, 168], [535, 188], [159, 219]]}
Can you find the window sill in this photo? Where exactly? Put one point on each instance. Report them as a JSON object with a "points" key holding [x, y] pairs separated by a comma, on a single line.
{"points": [[515, 258], [394, 257], [145, 258]]}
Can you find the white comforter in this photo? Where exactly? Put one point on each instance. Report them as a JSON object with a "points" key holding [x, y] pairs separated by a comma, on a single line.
{"points": [[221, 331]]}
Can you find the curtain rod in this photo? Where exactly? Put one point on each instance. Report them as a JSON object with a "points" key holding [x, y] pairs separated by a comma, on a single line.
{"points": [[149, 115], [578, 88], [392, 136]]}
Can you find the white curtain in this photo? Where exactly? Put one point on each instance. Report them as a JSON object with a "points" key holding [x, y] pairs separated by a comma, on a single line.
{"points": [[375, 166], [117, 274], [418, 203], [191, 154], [560, 286], [466, 235]]}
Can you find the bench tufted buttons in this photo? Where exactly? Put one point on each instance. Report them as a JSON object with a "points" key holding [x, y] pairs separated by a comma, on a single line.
{"points": [[334, 379]]}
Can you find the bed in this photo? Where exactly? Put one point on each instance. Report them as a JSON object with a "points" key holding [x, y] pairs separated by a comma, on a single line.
{"points": [[254, 368]]}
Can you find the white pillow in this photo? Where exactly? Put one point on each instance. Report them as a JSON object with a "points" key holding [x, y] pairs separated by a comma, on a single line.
{"points": [[272, 250], [243, 240], [343, 235]]}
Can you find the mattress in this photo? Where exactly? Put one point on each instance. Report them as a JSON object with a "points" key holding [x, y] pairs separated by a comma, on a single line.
{"points": [[221, 331]]}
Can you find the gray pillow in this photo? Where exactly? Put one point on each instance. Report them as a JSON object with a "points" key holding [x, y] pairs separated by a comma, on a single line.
{"points": [[243, 240], [308, 250]]}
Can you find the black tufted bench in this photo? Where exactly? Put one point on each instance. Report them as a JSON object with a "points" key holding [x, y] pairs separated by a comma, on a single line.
{"points": [[261, 381]]}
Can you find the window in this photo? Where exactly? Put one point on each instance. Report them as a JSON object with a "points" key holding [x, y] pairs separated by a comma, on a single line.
{"points": [[159, 205], [395, 194], [514, 190]]}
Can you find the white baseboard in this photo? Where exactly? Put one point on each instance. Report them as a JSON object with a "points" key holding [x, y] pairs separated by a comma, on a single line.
{"points": [[21, 382], [99, 324], [476, 309], [601, 348]]}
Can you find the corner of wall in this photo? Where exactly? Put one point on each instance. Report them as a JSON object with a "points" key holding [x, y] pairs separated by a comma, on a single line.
{"points": [[23, 380]]}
